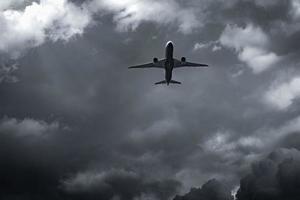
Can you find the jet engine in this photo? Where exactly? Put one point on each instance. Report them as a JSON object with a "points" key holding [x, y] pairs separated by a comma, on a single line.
{"points": [[155, 60], [183, 59]]}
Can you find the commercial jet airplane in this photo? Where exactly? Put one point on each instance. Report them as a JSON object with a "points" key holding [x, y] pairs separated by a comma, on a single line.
{"points": [[169, 63]]}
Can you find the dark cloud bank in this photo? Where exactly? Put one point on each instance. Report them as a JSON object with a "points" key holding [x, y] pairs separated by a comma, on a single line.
{"points": [[275, 177], [76, 124]]}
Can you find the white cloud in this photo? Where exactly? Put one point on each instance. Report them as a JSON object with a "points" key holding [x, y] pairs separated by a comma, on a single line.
{"points": [[30, 27], [27, 127], [216, 48], [281, 96], [214, 45], [251, 45], [27, 23], [295, 9], [198, 46], [129, 14], [221, 143]]}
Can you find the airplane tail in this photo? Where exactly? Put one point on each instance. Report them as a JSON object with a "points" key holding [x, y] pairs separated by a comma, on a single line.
{"points": [[165, 82]]}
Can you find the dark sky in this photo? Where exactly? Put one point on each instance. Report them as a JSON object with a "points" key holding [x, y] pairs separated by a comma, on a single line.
{"points": [[75, 123]]}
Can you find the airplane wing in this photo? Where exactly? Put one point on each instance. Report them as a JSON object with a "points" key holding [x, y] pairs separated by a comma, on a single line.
{"points": [[158, 64], [178, 63]]}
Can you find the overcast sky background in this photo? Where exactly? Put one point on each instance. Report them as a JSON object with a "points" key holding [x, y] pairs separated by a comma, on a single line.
{"points": [[75, 123]]}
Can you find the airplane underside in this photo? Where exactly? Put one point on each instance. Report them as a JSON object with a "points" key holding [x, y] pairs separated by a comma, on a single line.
{"points": [[168, 78], [169, 63]]}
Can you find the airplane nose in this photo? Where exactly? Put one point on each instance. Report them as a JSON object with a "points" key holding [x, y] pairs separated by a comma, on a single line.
{"points": [[170, 44]]}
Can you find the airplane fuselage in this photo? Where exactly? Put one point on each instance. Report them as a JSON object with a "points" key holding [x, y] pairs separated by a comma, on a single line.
{"points": [[169, 64]]}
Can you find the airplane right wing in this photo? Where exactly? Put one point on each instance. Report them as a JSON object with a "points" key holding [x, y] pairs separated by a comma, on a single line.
{"points": [[178, 63], [158, 64]]}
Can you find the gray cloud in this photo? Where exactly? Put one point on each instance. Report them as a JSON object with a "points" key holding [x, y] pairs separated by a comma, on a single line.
{"points": [[120, 184], [276, 177], [211, 190], [212, 126]]}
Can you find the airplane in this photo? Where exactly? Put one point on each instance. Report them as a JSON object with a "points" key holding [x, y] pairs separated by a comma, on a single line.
{"points": [[169, 63]]}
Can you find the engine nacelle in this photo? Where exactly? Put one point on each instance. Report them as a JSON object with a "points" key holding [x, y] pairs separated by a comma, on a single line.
{"points": [[155, 60], [183, 59]]}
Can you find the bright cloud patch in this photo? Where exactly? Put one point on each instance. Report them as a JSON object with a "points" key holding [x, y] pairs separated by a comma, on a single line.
{"points": [[282, 96], [214, 45], [198, 46], [30, 27], [221, 143], [251, 44], [295, 10], [27, 23], [130, 13], [27, 127]]}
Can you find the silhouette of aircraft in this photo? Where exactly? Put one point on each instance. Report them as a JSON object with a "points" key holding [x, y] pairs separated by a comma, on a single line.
{"points": [[169, 63]]}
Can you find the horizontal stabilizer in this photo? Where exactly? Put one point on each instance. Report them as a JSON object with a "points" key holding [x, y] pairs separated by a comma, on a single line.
{"points": [[175, 82], [161, 82]]}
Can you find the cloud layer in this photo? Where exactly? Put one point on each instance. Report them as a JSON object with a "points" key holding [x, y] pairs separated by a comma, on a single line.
{"points": [[251, 44], [75, 123], [283, 95], [119, 184], [276, 177], [130, 14], [213, 189], [37, 22]]}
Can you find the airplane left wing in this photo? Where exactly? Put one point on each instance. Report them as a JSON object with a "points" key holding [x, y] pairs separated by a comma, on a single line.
{"points": [[158, 64], [178, 63]]}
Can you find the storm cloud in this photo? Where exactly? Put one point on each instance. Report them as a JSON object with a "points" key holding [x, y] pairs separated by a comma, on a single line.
{"points": [[213, 189], [119, 184], [75, 122], [276, 177]]}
